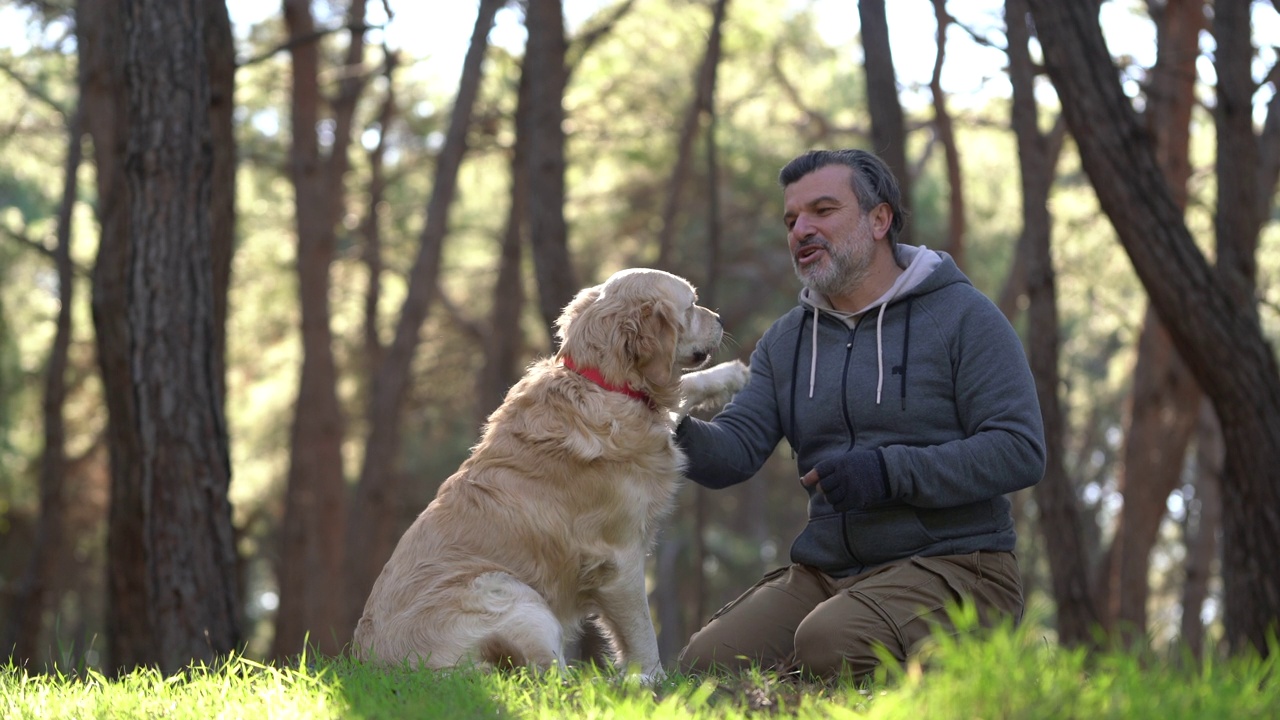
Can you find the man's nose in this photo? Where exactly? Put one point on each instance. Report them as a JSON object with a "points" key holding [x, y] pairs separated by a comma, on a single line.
{"points": [[801, 228]]}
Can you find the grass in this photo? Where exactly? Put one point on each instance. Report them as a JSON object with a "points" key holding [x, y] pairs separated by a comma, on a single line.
{"points": [[1004, 674]]}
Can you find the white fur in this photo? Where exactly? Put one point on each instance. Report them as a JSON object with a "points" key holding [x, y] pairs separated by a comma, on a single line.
{"points": [[712, 388]]}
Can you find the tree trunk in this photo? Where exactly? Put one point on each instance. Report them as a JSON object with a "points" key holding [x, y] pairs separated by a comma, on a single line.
{"points": [[1204, 519], [597, 29], [503, 342], [1013, 293], [171, 552], [704, 88], [220, 50], [100, 39], [1252, 608], [371, 531], [1269, 151], [888, 129], [312, 531], [1219, 336], [371, 250], [946, 135], [708, 293], [1165, 399], [1238, 220], [1055, 495], [545, 58], [673, 630], [24, 628]]}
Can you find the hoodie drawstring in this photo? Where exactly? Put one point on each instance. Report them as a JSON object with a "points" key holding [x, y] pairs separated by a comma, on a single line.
{"points": [[813, 361], [795, 369], [921, 263], [813, 355], [906, 345], [880, 351]]}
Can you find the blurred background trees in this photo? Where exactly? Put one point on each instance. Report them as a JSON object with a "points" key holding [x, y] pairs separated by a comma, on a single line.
{"points": [[380, 246]]}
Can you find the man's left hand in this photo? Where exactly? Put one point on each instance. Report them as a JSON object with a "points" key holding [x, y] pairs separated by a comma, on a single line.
{"points": [[851, 481]]}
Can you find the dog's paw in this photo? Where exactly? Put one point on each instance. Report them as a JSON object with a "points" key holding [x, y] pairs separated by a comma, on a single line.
{"points": [[651, 678], [711, 389]]}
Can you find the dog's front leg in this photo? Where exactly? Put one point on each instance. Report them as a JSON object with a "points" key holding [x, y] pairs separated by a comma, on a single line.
{"points": [[624, 606], [711, 389]]}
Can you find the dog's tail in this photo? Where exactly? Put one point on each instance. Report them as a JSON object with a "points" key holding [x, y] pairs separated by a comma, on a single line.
{"points": [[524, 631], [496, 593]]}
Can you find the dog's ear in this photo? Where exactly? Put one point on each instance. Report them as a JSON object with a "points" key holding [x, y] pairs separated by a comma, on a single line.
{"points": [[578, 305], [653, 330]]}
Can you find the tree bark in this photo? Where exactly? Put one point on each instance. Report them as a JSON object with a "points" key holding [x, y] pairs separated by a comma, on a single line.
{"points": [[1055, 495], [371, 533], [1219, 336], [220, 50], [1165, 398], [172, 557], [545, 58], [312, 531], [888, 129]]}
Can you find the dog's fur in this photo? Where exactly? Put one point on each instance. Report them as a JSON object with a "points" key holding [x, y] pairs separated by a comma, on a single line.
{"points": [[551, 517]]}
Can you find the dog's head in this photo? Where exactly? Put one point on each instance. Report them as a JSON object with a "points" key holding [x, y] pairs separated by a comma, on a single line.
{"points": [[640, 328]]}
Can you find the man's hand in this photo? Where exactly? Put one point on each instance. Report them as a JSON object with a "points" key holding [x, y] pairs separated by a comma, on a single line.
{"points": [[851, 481]]}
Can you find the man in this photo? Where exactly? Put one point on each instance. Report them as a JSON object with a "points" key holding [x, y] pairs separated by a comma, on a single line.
{"points": [[909, 405]]}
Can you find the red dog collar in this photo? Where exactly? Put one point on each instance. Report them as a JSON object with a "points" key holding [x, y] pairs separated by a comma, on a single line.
{"points": [[594, 376]]}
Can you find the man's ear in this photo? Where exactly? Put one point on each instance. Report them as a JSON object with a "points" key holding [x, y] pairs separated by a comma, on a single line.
{"points": [[881, 217]]}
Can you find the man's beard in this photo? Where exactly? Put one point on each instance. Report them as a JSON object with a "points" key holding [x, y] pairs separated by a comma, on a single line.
{"points": [[848, 265]]}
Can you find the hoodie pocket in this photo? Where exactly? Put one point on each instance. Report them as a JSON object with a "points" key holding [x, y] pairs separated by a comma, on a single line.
{"points": [[885, 534], [965, 521]]}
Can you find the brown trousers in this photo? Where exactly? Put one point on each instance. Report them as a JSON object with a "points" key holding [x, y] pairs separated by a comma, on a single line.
{"points": [[799, 619]]}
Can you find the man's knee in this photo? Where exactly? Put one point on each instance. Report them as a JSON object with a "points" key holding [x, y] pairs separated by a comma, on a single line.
{"points": [[756, 629], [707, 651], [852, 644]]}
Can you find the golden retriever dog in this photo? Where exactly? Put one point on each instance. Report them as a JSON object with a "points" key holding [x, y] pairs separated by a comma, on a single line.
{"points": [[550, 518]]}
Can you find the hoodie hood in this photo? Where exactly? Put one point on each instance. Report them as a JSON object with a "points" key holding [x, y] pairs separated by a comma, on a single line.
{"points": [[921, 263]]}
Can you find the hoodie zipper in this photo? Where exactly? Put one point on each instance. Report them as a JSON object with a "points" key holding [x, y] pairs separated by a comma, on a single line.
{"points": [[845, 408], [847, 411]]}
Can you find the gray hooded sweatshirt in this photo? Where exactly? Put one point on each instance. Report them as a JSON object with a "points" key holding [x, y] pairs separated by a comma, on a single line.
{"points": [[931, 375]]}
